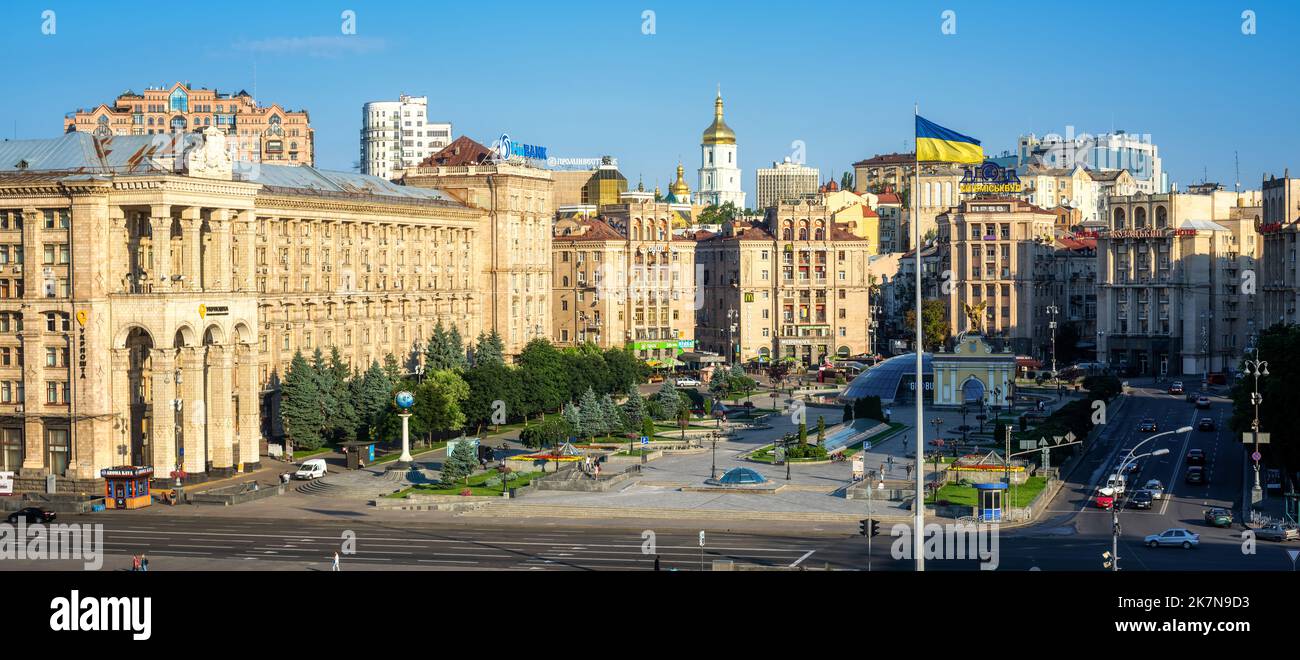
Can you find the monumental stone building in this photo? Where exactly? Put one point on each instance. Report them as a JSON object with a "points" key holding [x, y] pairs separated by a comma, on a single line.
{"points": [[261, 133], [152, 295], [795, 287]]}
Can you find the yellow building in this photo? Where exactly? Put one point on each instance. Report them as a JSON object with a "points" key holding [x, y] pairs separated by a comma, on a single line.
{"points": [[973, 373]]}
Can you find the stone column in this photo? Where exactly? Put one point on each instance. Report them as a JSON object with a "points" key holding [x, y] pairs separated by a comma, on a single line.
{"points": [[218, 268], [160, 221], [33, 255], [219, 424], [191, 224], [120, 402], [250, 404], [119, 255], [195, 410], [247, 233], [33, 387], [163, 412]]}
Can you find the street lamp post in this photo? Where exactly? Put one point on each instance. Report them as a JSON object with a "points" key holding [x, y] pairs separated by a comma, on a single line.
{"points": [[1053, 310], [1256, 368], [1115, 506], [713, 470]]}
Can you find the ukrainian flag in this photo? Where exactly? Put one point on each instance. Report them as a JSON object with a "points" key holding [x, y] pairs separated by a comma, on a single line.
{"points": [[936, 143]]}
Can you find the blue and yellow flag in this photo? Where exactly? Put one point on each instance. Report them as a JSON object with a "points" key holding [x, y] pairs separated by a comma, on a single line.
{"points": [[936, 143]]}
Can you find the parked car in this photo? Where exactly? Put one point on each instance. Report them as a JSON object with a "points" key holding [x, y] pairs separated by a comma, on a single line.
{"points": [[1176, 387], [31, 514], [1156, 488], [312, 468], [1141, 499], [1219, 517], [1203, 402], [1278, 532], [1196, 475], [1173, 537], [1206, 424], [1148, 425], [1196, 457], [688, 382]]}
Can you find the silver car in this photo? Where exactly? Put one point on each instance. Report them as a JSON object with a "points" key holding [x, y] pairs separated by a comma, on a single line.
{"points": [[1174, 537], [1278, 532], [1157, 489]]}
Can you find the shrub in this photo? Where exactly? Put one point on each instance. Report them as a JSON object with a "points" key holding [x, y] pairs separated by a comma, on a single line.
{"points": [[494, 482]]}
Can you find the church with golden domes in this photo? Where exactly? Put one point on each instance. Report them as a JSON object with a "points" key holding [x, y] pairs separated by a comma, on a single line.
{"points": [[720, 174]]}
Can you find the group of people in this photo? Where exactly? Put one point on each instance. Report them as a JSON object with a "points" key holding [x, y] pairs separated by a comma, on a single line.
{"points": [[591, 468], [140, 562]]}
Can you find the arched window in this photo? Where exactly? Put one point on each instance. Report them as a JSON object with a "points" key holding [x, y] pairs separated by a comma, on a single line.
{"points": [[1119, 219], [1139, 218], [1162, 218]]}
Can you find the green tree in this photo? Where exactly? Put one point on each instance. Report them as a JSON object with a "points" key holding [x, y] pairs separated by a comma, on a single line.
{"points": [[300, 411], [373, 398], [456, 355], [846, 181], [343, 419], [573, 417], [437, 353], [821, 430], [803, 433], [634, 408], [489, 349], [438, 402], [934, 327], [615, 420], [668, 400], [848, 413], [488, 383], [543, 377], [716, 215], [591, 414], [546, 434], [460, 463], [326, 393], [391, 368], [647, 427]]}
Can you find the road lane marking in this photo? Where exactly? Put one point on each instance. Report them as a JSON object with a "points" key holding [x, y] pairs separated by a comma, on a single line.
{"points": [[800, 560]]}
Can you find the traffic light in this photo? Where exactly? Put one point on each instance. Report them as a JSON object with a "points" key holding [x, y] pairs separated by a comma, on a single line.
{"points": [[875, 528], [1106, 556], [862, 527]]}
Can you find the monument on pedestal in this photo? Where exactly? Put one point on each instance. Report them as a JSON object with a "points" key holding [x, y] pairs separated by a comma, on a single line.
{"points": [[405, 400]]}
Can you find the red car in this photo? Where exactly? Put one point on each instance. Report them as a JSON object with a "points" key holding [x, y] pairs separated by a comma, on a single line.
{"points": [[1105, 499]]}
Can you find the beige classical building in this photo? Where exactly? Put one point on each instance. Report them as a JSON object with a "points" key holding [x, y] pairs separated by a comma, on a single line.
{"points": [[151, 298], [796, 286], [990, 246], [630, 284], [1172, 272], [260, 133], [514, 248], [785, 181], [1279, 278]]}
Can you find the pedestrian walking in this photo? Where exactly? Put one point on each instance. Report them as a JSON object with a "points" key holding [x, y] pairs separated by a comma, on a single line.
{"points": [[335, 567], [144, 562], [135, 563]]}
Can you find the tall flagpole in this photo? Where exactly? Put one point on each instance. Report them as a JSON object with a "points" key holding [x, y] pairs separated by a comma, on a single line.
{"points": [[918, 503]]}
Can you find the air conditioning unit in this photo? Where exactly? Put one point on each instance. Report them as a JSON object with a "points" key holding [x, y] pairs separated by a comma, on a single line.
{"points": [[18, 408]]}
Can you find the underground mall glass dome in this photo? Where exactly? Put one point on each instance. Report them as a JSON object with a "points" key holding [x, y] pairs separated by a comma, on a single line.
{"points": [[740, 477], [887, 379]]}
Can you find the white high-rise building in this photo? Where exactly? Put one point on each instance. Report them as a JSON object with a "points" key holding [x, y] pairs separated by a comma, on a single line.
{"points": [[1107, 152], [397, 135], [785, 181], [719, 163]]}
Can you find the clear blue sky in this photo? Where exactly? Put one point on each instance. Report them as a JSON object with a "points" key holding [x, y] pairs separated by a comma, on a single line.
{"points": [[580, 77]]}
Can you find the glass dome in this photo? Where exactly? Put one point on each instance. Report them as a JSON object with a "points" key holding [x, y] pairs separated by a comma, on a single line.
{"points": [[885, 379], [741, 476]]}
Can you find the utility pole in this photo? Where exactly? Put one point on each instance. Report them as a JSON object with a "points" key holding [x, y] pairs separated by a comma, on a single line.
{"points": [[1256, 368]]}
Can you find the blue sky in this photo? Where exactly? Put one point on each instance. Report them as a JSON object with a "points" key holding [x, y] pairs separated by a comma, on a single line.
{"points": [[581, 78]]}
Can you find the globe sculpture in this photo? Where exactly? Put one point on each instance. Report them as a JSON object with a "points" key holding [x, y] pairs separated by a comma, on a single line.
{"points": [[405, 400]]}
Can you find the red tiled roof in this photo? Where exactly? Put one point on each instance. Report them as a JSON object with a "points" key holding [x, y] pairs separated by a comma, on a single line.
{"points": [[888, 198], [461, 151], [596, 230], [887, 159]]}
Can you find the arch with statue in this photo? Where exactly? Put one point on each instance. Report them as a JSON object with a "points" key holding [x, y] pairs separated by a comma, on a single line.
{"points": [[973, 373]]}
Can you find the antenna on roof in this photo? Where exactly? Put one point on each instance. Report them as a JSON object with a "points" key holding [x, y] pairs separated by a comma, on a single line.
{"points": [[1236, 160]]}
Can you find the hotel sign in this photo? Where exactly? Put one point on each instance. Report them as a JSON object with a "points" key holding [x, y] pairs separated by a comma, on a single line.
{"points": [[990, 179], [1138, 233]]}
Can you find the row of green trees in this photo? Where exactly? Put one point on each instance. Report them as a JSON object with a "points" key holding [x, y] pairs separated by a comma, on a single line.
{"points": [[456, 387]]}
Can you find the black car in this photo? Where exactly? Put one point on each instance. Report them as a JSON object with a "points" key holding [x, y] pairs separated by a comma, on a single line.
{"points": [[1206, 424], [32, 514], [1148, 425], [1141, 500], [1196, 475], [1196, 457]]}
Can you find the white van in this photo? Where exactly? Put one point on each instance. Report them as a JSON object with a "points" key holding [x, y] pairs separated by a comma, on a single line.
{"points": [[1116, 482], [312, 468]]}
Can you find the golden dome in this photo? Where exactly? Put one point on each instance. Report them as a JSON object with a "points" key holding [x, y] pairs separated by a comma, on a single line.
{"points": [[679, 189], [719, 132]]}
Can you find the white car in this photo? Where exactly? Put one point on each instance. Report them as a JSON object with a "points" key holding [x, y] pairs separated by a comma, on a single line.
{"points": [[688, 382], [1157, 489], [1173, 537], [312, 468]]}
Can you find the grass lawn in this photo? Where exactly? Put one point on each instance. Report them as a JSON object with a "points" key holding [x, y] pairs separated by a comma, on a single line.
{"points": [[764, 455], [1017, 496], [389, 458], [303, 454], [476, 485]]}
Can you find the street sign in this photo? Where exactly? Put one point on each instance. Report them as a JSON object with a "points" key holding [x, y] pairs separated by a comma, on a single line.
{"points": [[1249, 438], [1028, 444], [1294, 554], [1256, 456], [701, 538], [645, 440]]}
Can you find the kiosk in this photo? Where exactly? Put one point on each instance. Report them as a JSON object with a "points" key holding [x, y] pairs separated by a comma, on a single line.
{"points": [[991, 501], [126, 487]]}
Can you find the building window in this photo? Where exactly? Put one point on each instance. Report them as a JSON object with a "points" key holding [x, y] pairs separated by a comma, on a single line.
{"points": [[56, 444]]}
